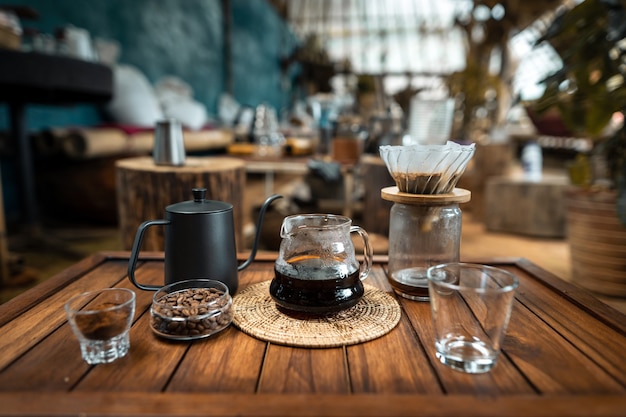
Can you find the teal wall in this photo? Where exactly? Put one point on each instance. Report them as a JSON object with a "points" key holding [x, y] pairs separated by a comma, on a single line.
{"points": [[177, 37], [183, 38]]}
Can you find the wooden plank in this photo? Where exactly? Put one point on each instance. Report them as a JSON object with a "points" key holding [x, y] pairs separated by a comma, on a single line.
{"points": [[396, 362], [581, 298], [571, 314], [54, 284], [549, 360], [55, 362], [147, 366], [52, 365], [229, 361], [503, 379], [207, 404], [21, 334], [590, 335], [304, 371]]}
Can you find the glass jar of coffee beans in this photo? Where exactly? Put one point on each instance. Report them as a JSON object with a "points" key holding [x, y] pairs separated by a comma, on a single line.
{"points": [[191, 309]]}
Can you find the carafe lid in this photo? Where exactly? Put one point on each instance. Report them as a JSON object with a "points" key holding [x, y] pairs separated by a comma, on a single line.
{"points": [[199, 205]]}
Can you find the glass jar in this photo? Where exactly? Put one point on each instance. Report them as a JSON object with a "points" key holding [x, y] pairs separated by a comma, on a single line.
{"points": [[424, 230]]}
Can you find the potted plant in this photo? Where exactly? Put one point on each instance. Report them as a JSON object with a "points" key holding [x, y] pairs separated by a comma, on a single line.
{"points": [[588, 92]]}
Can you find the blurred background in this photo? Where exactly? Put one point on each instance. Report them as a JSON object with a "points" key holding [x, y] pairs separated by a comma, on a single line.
{"points": [[304, 91]]}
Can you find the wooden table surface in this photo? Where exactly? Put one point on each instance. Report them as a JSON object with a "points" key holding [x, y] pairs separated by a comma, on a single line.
{"points": [[564, 354]]}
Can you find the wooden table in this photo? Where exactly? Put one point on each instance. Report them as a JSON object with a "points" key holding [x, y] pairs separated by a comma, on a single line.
{"points": [[269, 166], [564, 354]]}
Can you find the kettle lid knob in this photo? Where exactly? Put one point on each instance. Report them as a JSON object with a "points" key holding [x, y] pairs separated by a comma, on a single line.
{"points": [[199, 204], [198, 194]]}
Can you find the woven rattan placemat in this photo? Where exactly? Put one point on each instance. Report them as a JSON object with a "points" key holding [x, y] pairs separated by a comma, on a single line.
{"points": [[373, 316]]}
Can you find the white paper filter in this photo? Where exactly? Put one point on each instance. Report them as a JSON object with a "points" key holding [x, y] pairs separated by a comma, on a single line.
{"points": [[427, 169]]}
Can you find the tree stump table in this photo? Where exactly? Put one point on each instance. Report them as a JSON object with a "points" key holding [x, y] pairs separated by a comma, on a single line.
{"points": [[533, 208], [145, 189]]}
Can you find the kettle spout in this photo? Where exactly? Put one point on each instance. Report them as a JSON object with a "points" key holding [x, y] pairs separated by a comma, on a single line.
{"points": [[257, 235]]}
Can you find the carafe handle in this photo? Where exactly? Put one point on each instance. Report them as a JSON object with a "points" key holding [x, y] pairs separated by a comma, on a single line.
{"points": [[134, 253], [368, 256]]}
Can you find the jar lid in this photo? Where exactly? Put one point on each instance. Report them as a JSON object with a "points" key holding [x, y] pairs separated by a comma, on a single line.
{"points": [[458, 195]]}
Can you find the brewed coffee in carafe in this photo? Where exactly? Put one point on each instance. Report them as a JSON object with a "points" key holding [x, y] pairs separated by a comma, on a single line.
{"points": [[317, 270]]}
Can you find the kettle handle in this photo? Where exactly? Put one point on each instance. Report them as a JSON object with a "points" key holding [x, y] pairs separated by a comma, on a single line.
{"points": [[134, 254], [257, 235], [368, 253]]}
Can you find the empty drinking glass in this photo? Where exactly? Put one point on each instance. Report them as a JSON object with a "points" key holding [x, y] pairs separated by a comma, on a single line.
{"points": [[471, 305]]}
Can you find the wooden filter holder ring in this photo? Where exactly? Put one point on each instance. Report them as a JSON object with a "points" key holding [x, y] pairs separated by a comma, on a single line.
{"points": [[458, 195]]}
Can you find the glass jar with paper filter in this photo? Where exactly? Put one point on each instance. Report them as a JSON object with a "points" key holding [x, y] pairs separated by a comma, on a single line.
{"points": [[425, 220]]}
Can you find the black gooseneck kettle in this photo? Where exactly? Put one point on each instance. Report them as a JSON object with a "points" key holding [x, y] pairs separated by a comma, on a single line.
{"points": [[199, 242]]}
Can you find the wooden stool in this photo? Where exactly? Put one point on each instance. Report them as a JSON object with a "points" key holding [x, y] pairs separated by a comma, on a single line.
{"points": [[145, 189], [514, 205]]}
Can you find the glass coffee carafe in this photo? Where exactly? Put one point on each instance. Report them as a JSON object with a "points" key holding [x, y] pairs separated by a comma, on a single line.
{"points": [[317, 270]]}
